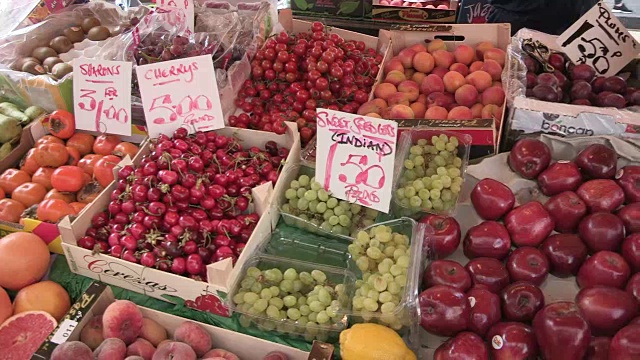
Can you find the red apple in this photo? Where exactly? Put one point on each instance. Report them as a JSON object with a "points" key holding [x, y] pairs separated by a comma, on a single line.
{"points": [[601, 231], [447, 272], [521, 301], [606, 309], [565, 252], [464, 346], [598, 161], [630, 216], [512, 340], [529, 224], [566, 210], [528, 264], [485, 309], [492, 199], [601, 195], [489, 272], [626, 344], [604, 268], [629, 180], [631, 251], [633, 287], [529, 157], [598, 348], [559, 177], [561, 331], [444, 310], [442, 235], [487, 239]]}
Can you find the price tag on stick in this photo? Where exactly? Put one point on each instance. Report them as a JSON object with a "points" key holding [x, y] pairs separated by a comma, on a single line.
{"points": [[102, 96], [600, 40], [186, 12], [355, 157], [180, 93]]}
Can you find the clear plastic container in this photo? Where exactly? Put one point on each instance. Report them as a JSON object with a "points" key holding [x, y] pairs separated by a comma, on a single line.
{"points": [[402, 206], [284, 322]]}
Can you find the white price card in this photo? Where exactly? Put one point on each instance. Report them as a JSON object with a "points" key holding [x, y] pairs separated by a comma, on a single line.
{"points": [[64, 331], [180, 93], [102, 95], [184, 14], [355, 157], [599, 39]]}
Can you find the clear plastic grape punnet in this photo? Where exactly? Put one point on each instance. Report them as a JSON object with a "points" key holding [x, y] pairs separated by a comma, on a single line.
{"points": [[408, 139]]}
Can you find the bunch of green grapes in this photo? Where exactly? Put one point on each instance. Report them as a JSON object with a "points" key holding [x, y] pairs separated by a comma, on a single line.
{"points": [[291, 302], [383, 257], [309, 201], [432, 175]]}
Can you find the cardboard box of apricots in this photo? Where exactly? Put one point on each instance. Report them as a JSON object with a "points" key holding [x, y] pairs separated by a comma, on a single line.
{"points": [[165, 285], [48, 231], [99, 296]]}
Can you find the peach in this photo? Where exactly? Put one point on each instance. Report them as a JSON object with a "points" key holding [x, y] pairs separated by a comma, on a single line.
{"points": [[418, 109], [153, 332], [111, 349], [385, 90], [91, 333], [464, 54], [439, 99], [410, 88], [482, 47], [418, 77], [194, 335], [123, 320], [423, 62], [174, 350], [381, 103], [431, 83], [436, 113], [422, 98], [393, 64], [491, 111], [384, 2], [440, 71], [443, 7], [76, 350], [493, 95], [475, 66], [373, 115], [429, 7], [466, 95], [401, 112], [372, 106], [220, 354], [476, 110], [493, 68], [460, 113], [406, 57], [163, 343], [396, 3], [436, 44], [461, 68], [443, 58], [142, 348], [480, 79], [453, 80], [395, 77], [494, 54], [418, 48], [408, 73], [398, 98]]}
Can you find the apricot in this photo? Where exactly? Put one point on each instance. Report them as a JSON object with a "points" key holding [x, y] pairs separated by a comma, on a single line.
{"points": [[371, 107], [493, 68], [461, 68], [482, 47], [374, 115], [493, 95], [475, 66], [491, 111], [401, 112], [494, 54], [476, 110], [385, 90], [464, 54], [466, 95], [431, 83], [408, 73], [393, 64], [440, 71], [443, 58], [418, 77], [423, 62], [435, 45], [406, 57], [418, 109], [460, 113], [453, 80], [480, 79], [436, 113], [418, 48], [395, 77], [153, 332], [439, 99], [398, 98], [422, 98], [410, 89]]}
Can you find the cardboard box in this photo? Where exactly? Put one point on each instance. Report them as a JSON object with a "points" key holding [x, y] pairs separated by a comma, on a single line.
{"points": [[99, 296], [407, 14], [356, 9], [165, 285], [472, 34], [47, 231]]}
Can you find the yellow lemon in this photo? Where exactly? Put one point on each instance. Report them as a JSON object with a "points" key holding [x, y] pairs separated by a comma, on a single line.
{"points": [[373, 342]]}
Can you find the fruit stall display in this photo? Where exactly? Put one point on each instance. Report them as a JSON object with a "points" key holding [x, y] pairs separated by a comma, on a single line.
{"points": [[550, 238]]}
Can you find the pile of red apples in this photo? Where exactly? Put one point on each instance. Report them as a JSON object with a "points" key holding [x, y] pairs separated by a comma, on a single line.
{"points": [[588, 229], [431, 82]]}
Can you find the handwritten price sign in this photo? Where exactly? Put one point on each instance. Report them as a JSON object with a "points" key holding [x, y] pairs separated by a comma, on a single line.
{"points": [[600, 40], [175, 18], [180, 93], [102, 93], [355, 156]]}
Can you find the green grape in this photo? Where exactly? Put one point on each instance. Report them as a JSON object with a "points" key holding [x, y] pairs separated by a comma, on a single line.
{"points": [[334, 220], [384, 267], [426, 204], [370, 304], [321, 207], [437, 185], [319, 276], [430, 172], [440, 145], [327, 214], [338, 210], [374, 253], [435, 194], [312, 297], [439, 160], [261, 305], [286, 286], [437, 204], [415, 150], [403, 261], [286, 208], [450, 147], [400, 193], [455, 188], [395, 270], [303, 204], [316, 186], [326, 226], [419, 171], [323, 195], [238, 298], [250, 298], [457, 162], [293, 203], [273, 312], [289, 301], [290, 274], [332, 203], [409, 191], [253, 272], [293, 314], [394, 288], [380, 284], [422, 142], [387, 307], [427, 181], [410, 175], [354, 249], [424, 194], [444, 138], [266, 294], [418, 185], [316, 306], [277, 302], [375, 242], [418, 161], [303, 180], [441, 170], [355, 208], [302, 300], [344, 220], [448, 205], [305, 310], [324, 297], [312, 206], [294, 184], [408, 164], [358, 302], [415, 201], [247, 282], [401, 280], [256, 288], [362, 263], [322, 317], [385, 297], [300, 192], [306, 278], [446, 195], [446, 181], [290, 194], [311, 195]]}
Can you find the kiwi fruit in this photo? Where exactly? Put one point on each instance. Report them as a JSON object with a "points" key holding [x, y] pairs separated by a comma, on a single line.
{"points": [[74, 33], [43, 52], [89, 23], [99, 33], [21, 61], [33, 67], [61, 69], [61, 44], [50, 62]]}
